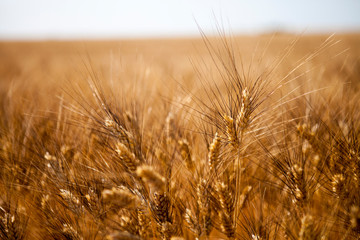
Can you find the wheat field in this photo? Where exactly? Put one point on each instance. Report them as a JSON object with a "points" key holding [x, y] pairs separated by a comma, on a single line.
{"points": [[252, 137]]}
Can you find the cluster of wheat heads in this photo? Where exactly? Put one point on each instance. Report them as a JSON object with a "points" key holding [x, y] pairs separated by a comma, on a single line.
{"points": [[252, 153]]}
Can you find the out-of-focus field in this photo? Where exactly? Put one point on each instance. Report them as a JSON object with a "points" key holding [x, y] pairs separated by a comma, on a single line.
{"points": [[51, 61], [253, 137]]}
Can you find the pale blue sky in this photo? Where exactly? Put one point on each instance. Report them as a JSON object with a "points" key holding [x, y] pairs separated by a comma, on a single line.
{"points": [[61, 19]]}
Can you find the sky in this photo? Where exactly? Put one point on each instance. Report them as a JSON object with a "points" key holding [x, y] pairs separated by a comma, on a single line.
{"points": [[72, 19]]}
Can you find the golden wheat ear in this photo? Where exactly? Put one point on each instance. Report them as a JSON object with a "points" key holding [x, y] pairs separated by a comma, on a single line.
{"points": [[186, 154], [128, 158], [161, 211], [214, 151], [227, 210], [151, 177]]}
